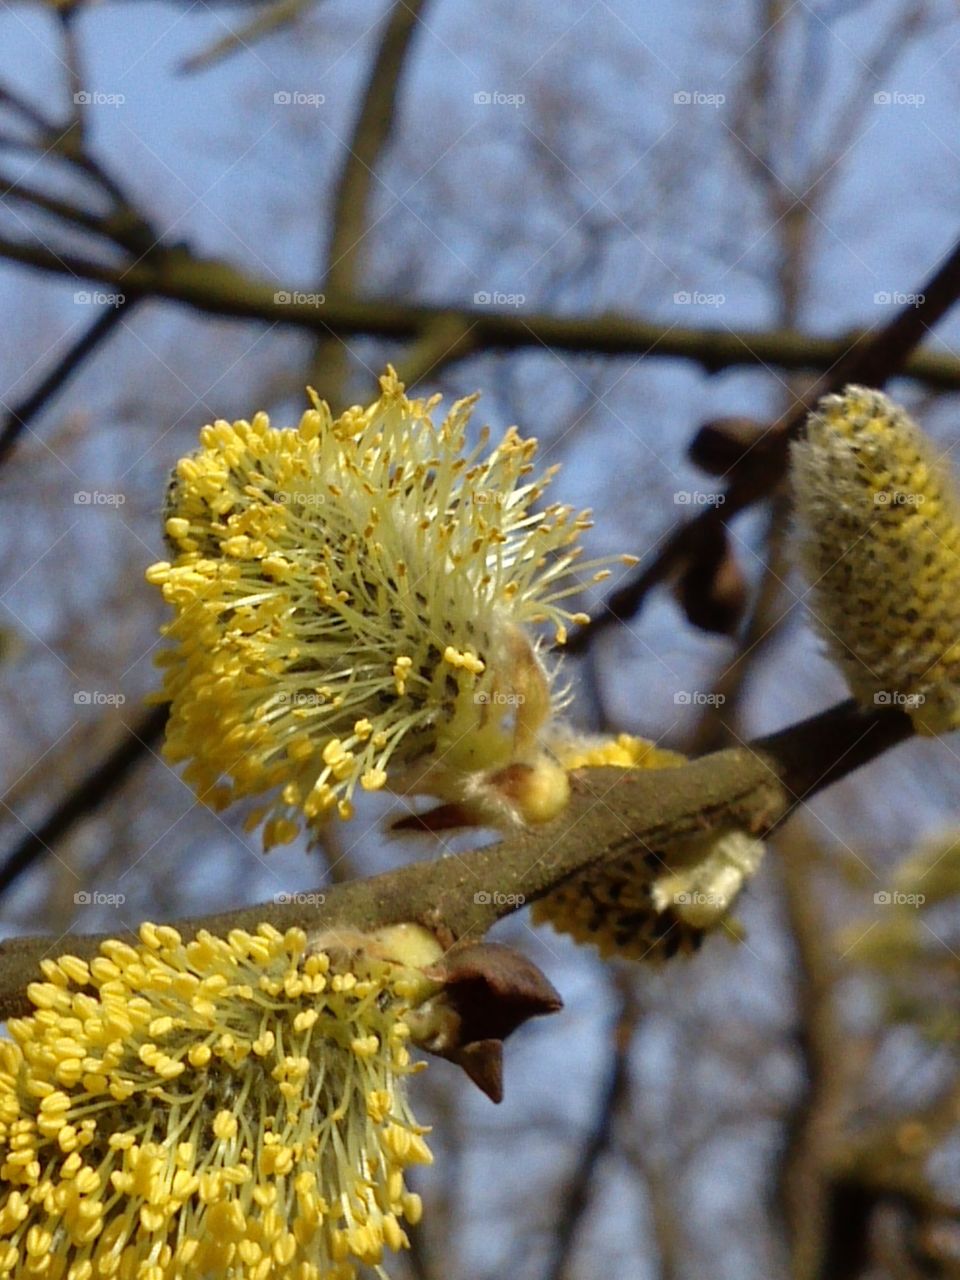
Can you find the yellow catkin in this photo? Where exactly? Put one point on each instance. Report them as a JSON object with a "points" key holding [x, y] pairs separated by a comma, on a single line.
{"points": [[878, 523], [240, 1112], [651, 903], [352, 601]]}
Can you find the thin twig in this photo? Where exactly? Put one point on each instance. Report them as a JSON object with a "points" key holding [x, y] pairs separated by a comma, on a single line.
{"points": [[64, 141], [872, 359], [352, 197], [814, 1130], [85, 798], [575, 1201], [762, 626], [19, 417]]}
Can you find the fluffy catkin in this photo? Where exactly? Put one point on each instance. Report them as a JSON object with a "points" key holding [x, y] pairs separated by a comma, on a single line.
{"points": [[879, 540], [651, 903], [353, 607], [221, 1107]]}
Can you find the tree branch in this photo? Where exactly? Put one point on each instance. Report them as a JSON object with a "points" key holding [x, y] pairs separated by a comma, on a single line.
{"points": [[610, 812], [18, 418], [613, 1094], [872, 358], [215, 287], [815, 1124], [350, 216], [99, 784], [351, 203]]}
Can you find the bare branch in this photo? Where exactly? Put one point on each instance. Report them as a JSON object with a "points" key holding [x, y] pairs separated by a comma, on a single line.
{"points": [[216, 287], [276, 16], [98, 785], [19, 417], [815, 1126], [351, 203], [352, 198], [64, 142], [873, 358], [575, 1201]]}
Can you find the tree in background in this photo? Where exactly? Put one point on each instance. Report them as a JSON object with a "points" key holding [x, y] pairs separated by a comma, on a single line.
{"points": [[654, 241]]}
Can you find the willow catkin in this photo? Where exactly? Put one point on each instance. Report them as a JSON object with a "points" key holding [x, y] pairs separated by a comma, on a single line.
{"points": [[878, 523]]}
